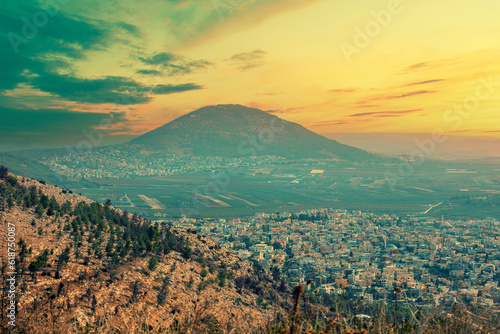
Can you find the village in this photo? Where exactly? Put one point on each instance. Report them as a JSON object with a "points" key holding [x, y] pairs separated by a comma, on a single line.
{"points": [[434, 261]]}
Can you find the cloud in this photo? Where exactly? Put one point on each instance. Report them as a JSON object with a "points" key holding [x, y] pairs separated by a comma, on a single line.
{"points": [[417, 66], [327, 123], [348, 122], [344, 90], [173, 64], [248, 60], [22, 128], [420, 92], [25, 97], [170, 89], [385, 113], [269, 94], [431, 65], [422, 82], [163, 58], [49, 120], [46, 61], [149, 72], [288, 110], [367, 106], [62, 40], [393, 97], [111, 89], [129, 28]]}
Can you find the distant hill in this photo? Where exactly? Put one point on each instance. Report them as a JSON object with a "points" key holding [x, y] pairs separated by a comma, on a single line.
{"points": [[25, 166], [239, 131], [26, 163], [453, 148], [85, 267]]}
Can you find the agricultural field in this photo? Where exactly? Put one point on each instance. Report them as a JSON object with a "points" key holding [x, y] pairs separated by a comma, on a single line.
{"points": [[221, 193]]}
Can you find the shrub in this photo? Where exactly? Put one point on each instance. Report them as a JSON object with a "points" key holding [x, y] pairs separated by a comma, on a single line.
{"points": [[4, 171], [39, 210], [222, 278], [12, 180], [152, 263], [202, 286], [187, 252]]}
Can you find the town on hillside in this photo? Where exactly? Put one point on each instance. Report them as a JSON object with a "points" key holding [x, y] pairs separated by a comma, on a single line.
{"points": [[363, 255]]}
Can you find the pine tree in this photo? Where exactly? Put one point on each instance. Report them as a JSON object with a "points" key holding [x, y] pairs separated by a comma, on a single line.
{"points": [[152, 263], [4, 171], [39, 210]]}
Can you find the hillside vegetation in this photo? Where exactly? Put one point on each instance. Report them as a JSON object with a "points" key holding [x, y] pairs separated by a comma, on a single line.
{"points": [[85, 267]]}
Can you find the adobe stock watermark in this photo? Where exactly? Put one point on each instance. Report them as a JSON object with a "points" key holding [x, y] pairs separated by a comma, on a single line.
{"points": [[30, 26], [248, 148], [364, 35], [455, 115], [11, 273]]}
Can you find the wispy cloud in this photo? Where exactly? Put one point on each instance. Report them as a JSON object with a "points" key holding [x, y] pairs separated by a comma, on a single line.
{"points": [[327, 123], [432, 65], [417, 66], [422, 82], [342, 90], [397, 113], [149, 72], [170, 89], [248, 60], [393, 97], [367, 106], [419, 92], [269, 94], [173, 64]]}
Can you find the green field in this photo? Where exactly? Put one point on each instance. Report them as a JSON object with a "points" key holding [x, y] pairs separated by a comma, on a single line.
{"points": [[293, 188]]}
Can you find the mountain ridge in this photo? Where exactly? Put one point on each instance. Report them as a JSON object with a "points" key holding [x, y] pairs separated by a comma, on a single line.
{"points": [[79, 262]]}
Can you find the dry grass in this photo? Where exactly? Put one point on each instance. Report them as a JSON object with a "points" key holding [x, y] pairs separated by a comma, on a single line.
{"points": [[58, 311]]}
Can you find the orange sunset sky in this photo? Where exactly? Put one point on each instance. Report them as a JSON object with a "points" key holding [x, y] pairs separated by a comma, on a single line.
{"points": [[330, 65]]}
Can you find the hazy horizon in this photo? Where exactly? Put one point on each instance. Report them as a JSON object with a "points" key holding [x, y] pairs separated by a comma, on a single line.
{"points": [[376, 142]]}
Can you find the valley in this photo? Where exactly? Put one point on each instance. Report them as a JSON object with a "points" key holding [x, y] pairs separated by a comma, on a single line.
{"points": [[272, 187]]}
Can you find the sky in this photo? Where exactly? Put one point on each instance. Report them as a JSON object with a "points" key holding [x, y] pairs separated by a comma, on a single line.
{"points": [[112, 70]]}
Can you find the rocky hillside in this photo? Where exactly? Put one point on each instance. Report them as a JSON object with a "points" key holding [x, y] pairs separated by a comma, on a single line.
{"points": [[83, 265]]}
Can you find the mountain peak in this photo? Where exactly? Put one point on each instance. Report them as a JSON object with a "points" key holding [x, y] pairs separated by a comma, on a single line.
{"points": [[232, 130]]}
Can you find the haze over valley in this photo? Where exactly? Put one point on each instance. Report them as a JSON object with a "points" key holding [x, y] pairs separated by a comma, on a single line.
{"points": [[230, 160]]}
